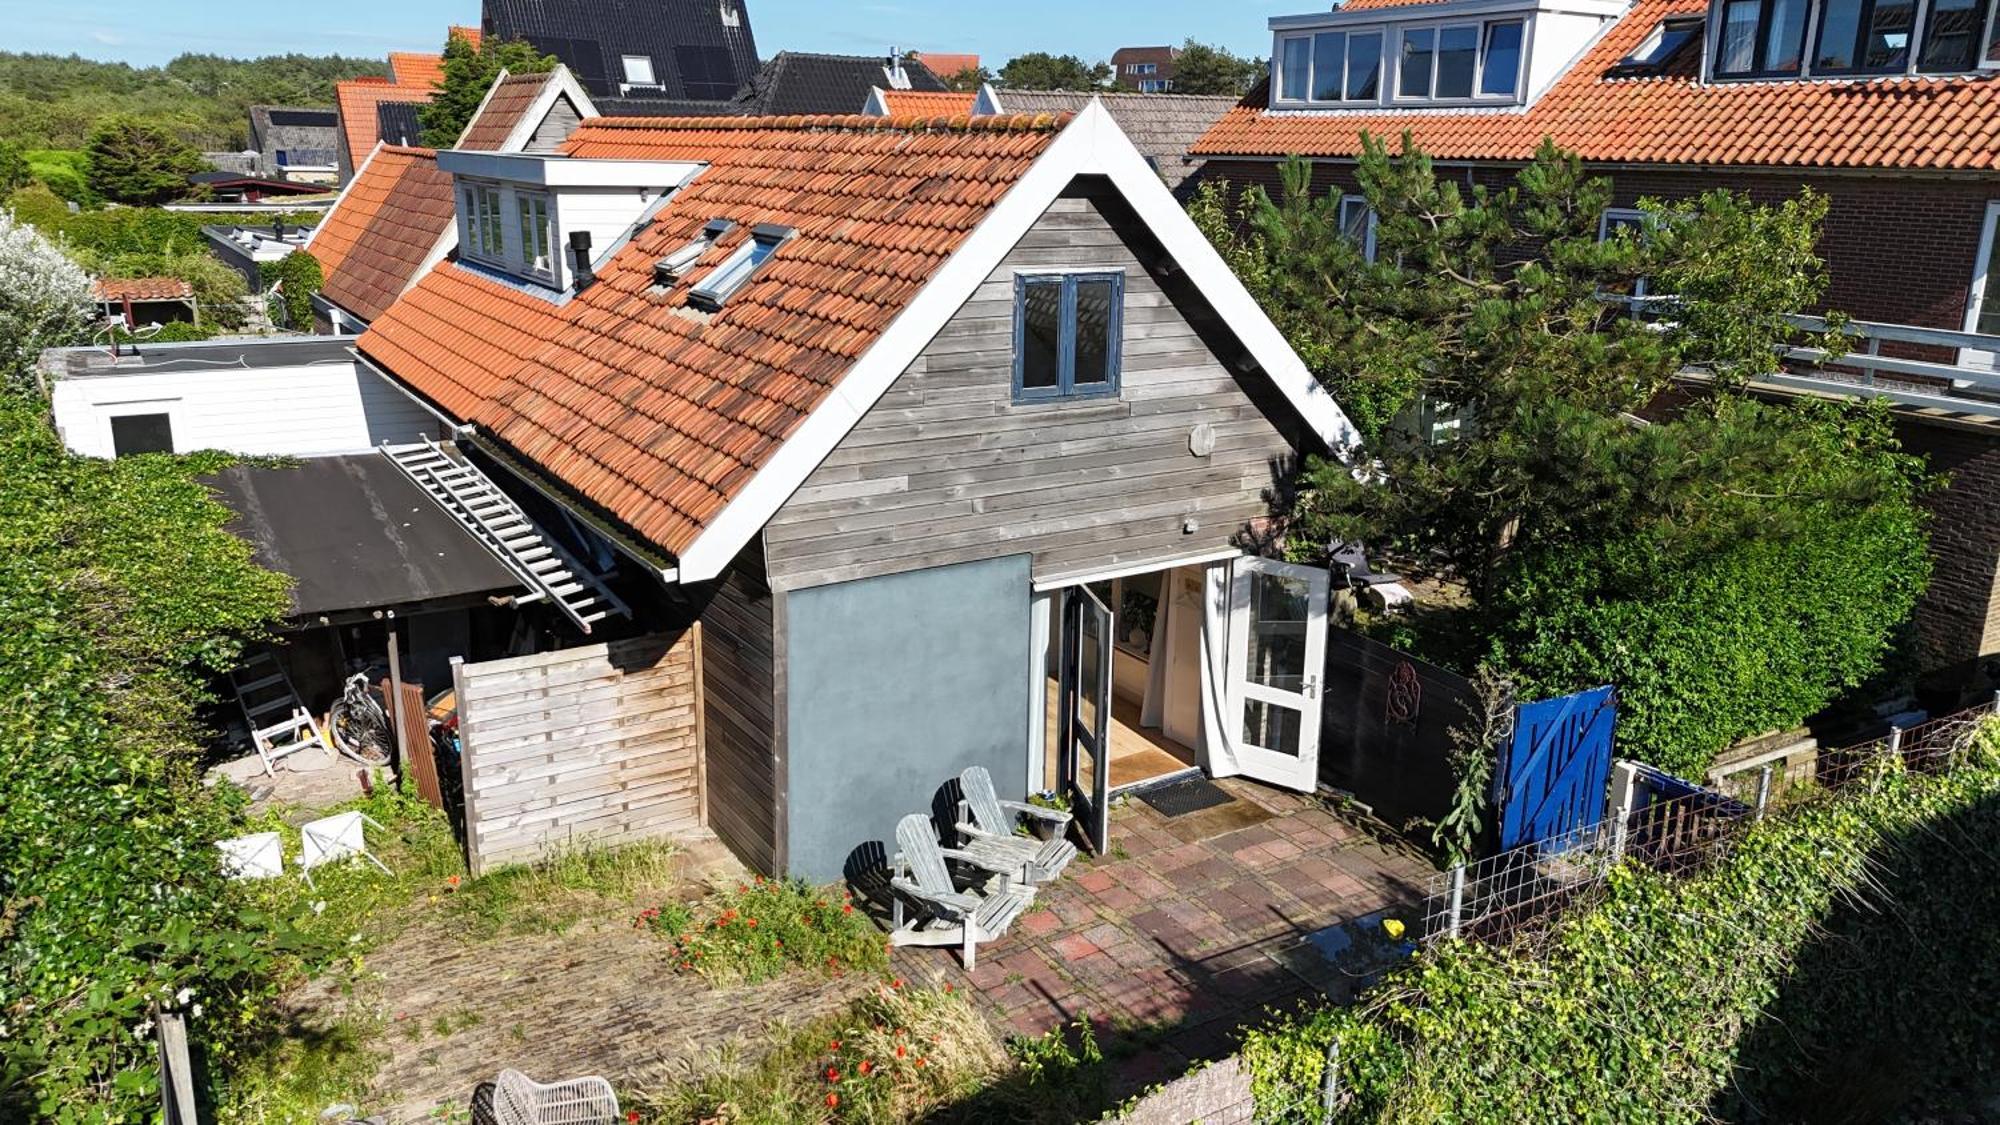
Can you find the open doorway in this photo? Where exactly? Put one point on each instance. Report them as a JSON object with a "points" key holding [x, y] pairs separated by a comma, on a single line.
{"points": [[1155, 723]]}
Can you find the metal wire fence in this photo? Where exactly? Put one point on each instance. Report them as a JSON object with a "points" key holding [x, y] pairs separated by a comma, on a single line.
{"points": [[1664, 823]]}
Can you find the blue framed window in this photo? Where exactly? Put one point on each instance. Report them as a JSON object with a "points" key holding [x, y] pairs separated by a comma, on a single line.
{"points": [[1067, 330]]}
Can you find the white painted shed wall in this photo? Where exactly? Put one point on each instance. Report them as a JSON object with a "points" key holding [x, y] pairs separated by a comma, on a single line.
{"points": [[310, 410]]}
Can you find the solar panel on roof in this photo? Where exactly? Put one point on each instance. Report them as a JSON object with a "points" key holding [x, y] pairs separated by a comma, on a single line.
{"points": [[305, 118]]}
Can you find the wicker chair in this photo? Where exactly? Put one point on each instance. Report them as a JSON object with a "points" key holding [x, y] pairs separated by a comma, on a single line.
{"points": [[520, 1100]]}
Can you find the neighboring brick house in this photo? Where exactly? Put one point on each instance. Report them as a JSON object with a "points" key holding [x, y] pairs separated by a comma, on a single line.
{"points": [[1144, 70], [1891, 111]]}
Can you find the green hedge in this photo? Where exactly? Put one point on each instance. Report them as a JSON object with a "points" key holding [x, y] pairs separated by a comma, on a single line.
{"points": [[1666, 996], [134, 230], [118, 586]]}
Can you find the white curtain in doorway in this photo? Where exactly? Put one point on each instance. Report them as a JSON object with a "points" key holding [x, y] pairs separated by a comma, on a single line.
{"points": [[1218, 730]]}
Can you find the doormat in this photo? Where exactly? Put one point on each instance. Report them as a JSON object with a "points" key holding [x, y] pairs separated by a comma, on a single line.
{"points": [[1185, 797]]}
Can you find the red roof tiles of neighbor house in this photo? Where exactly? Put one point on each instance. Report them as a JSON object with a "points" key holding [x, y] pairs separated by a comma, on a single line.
{"points": [[659, 414], [373, 242], [913, 103], [471, 35], [106, 289], [359, 124], [1941, 123], [948, 66], [510, 101], [420, 69]]}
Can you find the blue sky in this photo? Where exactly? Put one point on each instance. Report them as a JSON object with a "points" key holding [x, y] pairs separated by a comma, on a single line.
{"points": [[152, 31]]}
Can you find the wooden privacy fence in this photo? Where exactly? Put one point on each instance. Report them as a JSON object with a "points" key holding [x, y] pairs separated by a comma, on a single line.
{"points": [[597, 746]]}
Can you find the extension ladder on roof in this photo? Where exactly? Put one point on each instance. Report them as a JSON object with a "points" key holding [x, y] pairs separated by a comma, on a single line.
{"points": [[498, 523], [280, 724]]}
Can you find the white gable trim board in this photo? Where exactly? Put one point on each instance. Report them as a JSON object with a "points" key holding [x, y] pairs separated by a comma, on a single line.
{"points": [[1092, 145]]}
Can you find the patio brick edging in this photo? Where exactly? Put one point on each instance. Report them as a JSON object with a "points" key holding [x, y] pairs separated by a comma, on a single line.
{"points": [[1217, 1094]]}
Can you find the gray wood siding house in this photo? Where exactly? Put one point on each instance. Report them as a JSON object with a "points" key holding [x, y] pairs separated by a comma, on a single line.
{"points": [[1020, 527], [945, 477]]}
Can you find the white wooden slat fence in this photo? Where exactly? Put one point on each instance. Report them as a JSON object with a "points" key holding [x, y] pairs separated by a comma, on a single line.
{"points": [[597, 746]]}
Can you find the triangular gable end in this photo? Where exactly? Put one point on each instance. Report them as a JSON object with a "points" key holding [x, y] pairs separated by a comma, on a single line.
{"points": [[1092, 145]]}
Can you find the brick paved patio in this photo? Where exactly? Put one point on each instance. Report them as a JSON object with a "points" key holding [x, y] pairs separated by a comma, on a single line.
{"points": [[1190, 928]]}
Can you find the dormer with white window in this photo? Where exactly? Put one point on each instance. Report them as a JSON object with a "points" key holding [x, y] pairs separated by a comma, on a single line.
{"points": [[1763, 40], [1454, 54], [548, 221]]}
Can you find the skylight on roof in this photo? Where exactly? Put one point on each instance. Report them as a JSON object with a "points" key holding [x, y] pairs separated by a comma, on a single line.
{"points": [[1659, 48], [676, 265], [730, 277]]}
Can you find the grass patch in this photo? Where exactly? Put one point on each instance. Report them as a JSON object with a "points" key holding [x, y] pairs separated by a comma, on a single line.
{"points": [[897, 1055], [354, 908], [305, 1070], [760, 931]]}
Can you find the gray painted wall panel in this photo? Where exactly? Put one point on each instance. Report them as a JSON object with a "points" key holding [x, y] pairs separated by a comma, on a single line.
{"points": [[947, 469], [893, 685]]}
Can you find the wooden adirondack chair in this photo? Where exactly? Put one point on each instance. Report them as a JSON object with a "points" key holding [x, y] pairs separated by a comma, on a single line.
{"points": [[947, 915], [988, 824]]}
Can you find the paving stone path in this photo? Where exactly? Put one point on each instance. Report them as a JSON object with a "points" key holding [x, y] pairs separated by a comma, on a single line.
{"points": [[1192, 927]]}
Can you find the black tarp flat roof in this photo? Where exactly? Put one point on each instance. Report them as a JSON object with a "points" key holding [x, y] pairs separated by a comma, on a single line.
{"points": [[355, 534]]}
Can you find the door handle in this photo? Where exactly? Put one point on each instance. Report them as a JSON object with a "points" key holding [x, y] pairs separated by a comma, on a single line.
{"points": [[1311, 688]]}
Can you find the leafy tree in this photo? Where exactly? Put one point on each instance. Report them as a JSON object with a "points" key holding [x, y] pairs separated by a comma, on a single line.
{"points": [[53, 101], [1731, 565], [1203, 69], [969, 80], [14, 174], [299, 276], [133, 162], [1043, 71], [44, 300], [469, 73]]}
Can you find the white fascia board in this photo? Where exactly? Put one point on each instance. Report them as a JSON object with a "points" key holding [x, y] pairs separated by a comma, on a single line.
{"points": [[1092, 144], [987, 104], [342, 201], [561, 84], [538, 170], [1445, 10], [877, 104]]}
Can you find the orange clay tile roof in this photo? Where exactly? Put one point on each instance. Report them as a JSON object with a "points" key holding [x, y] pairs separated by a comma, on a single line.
{"points": [[471, 35], [386, 224], [511, 99], [416, 68], [360, 126], [658, 415], [106, 289], [1908, 123], [948, 66], [915, 103]]}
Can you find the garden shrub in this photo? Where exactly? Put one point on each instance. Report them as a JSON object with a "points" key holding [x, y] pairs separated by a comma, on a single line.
{"points": [[764, 929], [301, 276], [1636, 1008], [118, 588]]}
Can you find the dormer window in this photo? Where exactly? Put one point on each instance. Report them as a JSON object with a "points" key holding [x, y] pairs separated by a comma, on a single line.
{"points": [[537, 233], [729, 278], [675, 266], [1443, 61], [510, 229], [1660, 47], [1851, 38]]}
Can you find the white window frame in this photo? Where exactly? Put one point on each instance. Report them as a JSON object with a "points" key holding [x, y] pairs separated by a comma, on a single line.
{"points": [[548, 253], [492, 227], [1815, 14], [1388, 90], [1347, 203], [652, 78], [1975, 298]]}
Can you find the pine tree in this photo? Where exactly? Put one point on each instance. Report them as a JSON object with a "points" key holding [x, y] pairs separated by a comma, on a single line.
{"points": [[469, 73]]}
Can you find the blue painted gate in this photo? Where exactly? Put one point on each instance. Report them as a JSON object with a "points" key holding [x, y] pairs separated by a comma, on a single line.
{"points": [[1552, 778]]}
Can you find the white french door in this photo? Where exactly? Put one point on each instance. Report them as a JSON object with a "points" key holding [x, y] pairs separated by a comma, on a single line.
{"points": [[1277, 655]]}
